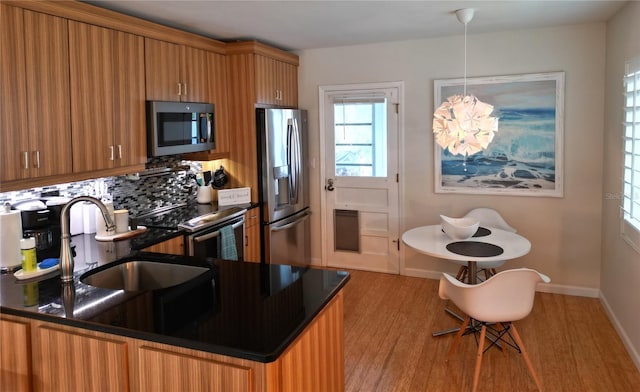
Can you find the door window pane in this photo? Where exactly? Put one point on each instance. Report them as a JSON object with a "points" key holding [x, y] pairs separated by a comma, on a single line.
{"points": [[360, 138]]}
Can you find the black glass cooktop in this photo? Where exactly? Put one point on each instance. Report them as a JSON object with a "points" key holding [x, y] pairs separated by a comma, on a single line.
{"points": [[188, 217]]}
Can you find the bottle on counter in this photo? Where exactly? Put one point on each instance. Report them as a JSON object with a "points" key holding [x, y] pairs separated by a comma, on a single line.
{"points": [[28, 254]]}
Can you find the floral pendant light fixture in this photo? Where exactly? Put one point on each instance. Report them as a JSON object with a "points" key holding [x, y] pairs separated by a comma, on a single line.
{"points": [[463, 124]]}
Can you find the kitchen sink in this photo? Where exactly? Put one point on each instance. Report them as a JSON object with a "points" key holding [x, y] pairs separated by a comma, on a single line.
{"points": [[140, 275]]}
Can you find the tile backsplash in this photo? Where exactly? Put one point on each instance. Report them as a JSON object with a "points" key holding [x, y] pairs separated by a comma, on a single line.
{"points": [[166, 181]]}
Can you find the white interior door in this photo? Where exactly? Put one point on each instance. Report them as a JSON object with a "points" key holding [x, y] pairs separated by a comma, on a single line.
{"points": [[359, 135]]}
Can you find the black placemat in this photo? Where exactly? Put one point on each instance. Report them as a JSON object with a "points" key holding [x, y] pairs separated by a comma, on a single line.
{"points": [[482, 232], [474, 249]]}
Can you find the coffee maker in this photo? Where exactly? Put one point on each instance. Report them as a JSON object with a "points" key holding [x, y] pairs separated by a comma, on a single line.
{"points": [[41, 221]]}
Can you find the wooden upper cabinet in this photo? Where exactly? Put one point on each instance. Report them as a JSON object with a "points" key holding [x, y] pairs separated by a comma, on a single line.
{"points": [[36, 125], [107, 98], [13, 127], [162, 70], [176, 72], [276, 82], [194, 75], [130, 132]]}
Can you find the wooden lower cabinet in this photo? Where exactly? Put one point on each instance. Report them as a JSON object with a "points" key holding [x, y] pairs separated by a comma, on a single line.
{"points": [[252, 235], [174, 246], [15, 359], [163, 370], [74, 359]]}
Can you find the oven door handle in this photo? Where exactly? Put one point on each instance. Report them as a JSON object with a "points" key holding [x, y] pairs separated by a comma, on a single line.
{"points": [[216, 233]]}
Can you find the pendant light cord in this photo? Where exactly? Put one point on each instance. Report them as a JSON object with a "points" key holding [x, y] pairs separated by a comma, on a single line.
{"points": [[465, 60]]}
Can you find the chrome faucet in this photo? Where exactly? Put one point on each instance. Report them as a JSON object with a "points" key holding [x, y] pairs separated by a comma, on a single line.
{"points": [[66, 256]]}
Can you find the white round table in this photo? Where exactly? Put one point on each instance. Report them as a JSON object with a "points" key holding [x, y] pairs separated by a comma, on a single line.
{"points": [[432, 241]]}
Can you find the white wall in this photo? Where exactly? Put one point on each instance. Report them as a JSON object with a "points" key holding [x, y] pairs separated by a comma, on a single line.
{"points": [[620, 263], [565, 232]]}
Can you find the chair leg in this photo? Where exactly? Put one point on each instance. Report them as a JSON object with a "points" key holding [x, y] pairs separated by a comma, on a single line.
{"points": [[516, 336], [476, 374], [461, 273], [463, 328]]}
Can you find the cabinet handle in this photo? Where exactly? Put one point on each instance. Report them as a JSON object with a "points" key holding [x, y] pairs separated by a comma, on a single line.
{"points": [[179, 89], [119, 151], [185, 89], [36, 159], [25, 155], [111, 153]]}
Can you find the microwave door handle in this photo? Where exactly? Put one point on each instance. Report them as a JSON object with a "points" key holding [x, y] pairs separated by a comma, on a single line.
{"points": [[210, 135], [216, 233]]}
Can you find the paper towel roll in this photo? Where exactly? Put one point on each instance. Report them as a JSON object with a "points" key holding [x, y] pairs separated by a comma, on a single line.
{"points": [[89, 218], [76, 220], [11, 229]]}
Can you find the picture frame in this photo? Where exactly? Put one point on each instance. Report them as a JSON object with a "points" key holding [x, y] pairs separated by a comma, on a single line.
{"points": [[525, 158]]}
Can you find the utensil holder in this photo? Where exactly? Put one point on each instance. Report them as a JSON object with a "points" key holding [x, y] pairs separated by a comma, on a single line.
{"points": [[204, 194]]}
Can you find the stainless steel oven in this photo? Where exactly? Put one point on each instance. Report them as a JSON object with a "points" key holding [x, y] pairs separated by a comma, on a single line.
{"points": [[211, 241]]}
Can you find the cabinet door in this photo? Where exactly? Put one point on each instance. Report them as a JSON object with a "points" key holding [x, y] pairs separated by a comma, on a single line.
{"points": [[266, 84], [15, 361], [194, 75], [287, 81], [174, 246], [14, 149], [92, 91], [252, 236], [107, 98], [72, 361], [276, 82], [129, 100], [162, 70], [48, 104], [167, 371], [217, 73]]}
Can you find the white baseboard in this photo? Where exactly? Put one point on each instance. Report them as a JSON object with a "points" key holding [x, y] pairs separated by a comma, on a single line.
{"points": [[543, 287], [635, 356]]}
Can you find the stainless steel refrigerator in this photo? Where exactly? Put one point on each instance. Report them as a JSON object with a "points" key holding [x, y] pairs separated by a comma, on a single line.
{"points": [[283, 182]]}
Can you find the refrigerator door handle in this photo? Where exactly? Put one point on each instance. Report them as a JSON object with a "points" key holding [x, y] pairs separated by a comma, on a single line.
{"points": [[291, 159], [295, 222], [296, 153]]}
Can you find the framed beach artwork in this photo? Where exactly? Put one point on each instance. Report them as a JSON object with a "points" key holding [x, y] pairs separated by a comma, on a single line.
{"points": [[525, 156]]}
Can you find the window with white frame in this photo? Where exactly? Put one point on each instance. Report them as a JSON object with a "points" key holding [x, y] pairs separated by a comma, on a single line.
{"points": [[631, 160], [360, 136]]}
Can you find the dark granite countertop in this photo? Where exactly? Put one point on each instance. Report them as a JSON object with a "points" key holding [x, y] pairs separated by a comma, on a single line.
{"points": [[246, 310]]}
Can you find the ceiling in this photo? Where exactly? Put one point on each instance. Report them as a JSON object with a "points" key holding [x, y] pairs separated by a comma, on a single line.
{"points": [[309, 24]]}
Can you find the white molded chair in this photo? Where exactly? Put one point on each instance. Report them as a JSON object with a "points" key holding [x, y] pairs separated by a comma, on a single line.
{"points": [[488, 218], [503, 298]]}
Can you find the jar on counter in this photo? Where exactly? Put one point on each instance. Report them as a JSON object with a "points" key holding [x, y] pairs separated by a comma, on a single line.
{"points": [[28, 254]]}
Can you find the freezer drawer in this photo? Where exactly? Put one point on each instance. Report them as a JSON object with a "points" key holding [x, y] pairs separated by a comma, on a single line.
{"points": [[288, 240]]}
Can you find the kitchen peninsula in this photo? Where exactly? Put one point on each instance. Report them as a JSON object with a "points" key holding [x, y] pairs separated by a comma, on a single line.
{"points": [[239, 327]]}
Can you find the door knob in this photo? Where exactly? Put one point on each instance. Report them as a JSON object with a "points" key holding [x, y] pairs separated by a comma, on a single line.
{"points": [[329, 185]]}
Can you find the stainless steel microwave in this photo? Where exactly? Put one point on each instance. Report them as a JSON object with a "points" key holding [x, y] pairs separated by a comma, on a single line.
{"points": [[179, 127]]}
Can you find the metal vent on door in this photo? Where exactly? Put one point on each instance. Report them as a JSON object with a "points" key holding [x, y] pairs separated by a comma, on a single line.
{"points": [[346, 225]]}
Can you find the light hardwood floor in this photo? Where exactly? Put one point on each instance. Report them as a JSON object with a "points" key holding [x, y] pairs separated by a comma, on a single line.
{"points": [[389, 347]]}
